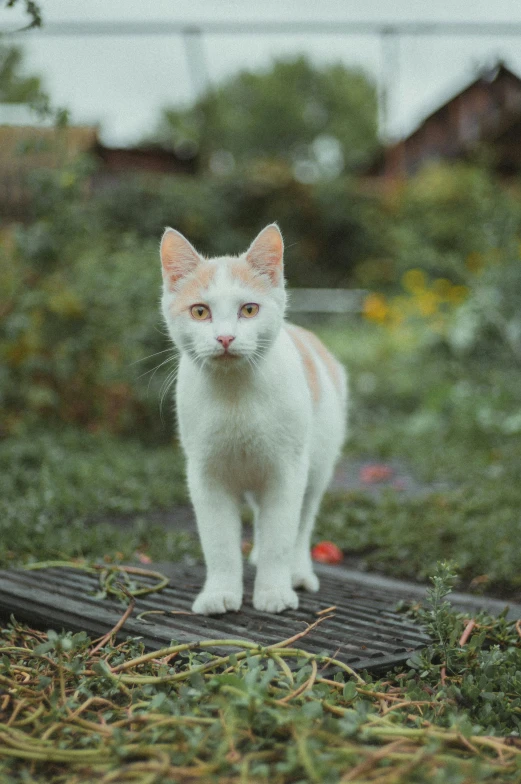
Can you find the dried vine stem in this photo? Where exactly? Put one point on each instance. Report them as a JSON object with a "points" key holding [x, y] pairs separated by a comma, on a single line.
{"points": [[40, 731], [107, 574]]}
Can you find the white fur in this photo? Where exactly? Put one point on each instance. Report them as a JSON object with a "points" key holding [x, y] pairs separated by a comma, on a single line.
{"points": [[250, 427]]}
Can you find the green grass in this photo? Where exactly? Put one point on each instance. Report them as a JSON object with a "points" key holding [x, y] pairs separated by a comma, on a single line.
{"points": [[450, 422], [59, 491]]}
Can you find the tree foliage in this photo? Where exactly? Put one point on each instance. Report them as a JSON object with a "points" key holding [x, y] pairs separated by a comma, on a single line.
{"points": [[32, 10], [15, 87], [320, 120]]}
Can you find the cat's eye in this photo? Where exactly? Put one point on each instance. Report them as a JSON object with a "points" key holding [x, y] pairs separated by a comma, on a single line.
{"points": [[249, 310], [200, 312]]}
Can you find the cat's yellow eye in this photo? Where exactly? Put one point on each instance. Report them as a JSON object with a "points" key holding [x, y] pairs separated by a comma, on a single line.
{"points": [[200, 312], [249, 310]]}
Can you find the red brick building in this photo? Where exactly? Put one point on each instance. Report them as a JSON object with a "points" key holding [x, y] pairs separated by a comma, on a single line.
{"points": [[153, 159]]}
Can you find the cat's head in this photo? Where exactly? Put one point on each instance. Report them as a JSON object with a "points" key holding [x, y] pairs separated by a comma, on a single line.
{"points": [[225, 311]]}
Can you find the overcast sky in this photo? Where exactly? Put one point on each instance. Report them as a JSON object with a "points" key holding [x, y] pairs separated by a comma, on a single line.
{"points": [[122, 83]]}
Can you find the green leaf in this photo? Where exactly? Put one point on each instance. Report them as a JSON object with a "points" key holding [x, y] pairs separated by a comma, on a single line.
{"points": [[45, 647], [313, 710], [232, 680], [157, 701], [102, 668], [349, 692]]}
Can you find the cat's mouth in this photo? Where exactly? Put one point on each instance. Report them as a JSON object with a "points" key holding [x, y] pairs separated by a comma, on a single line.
{"points": [[226, 356]]}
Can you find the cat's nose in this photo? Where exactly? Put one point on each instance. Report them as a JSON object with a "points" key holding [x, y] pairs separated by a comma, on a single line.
{"points": [[225, 340]]}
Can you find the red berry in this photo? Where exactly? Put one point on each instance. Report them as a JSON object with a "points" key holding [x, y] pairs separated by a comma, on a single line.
{"points": [[375, 472], [327, 552]]}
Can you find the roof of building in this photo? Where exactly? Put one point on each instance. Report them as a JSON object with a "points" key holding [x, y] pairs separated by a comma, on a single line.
{"points": [[488, 76]]}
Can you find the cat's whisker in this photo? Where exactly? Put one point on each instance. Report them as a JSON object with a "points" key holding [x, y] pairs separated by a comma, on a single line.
{"points": [[162, 332], [166, 386], [143, 359], [155, 369], [174, 371], [252, 363]]}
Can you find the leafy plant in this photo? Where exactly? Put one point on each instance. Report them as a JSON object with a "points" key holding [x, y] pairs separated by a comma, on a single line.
{"points": [[273, 712], [438, 615]]}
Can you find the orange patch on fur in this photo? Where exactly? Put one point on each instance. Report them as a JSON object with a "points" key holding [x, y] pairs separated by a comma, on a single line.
{"points": [[192, 291], [308, 360], [331, 364], [244, 272], [307, 339]]}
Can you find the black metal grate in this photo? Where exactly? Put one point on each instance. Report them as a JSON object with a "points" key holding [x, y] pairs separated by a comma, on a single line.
{"points": [[365, 632]]}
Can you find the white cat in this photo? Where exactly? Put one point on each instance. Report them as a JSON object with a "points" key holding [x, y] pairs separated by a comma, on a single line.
{"points": [[261, 406]]}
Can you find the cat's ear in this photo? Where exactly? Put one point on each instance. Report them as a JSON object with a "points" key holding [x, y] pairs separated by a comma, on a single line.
{"points": [[178, 258], [266, 253]]}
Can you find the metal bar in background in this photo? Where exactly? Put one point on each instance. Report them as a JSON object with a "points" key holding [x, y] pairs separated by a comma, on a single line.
{"points": [[192, 33], [326, 300], [390, 75], [318, 27], [196, 60]]}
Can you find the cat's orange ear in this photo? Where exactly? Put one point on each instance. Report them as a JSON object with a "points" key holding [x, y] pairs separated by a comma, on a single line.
{"points": [[178, 257], [266, 252]]}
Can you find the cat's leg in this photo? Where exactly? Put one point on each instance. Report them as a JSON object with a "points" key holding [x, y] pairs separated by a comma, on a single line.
{"points": [[303, 575], [219, 524], [279, 517], [254, 506]]}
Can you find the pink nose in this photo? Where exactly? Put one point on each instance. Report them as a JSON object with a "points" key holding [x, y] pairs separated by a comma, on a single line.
{"points": [[225, 340]]}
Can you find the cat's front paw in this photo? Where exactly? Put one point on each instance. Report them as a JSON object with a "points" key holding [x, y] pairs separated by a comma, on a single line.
{"points": [[217, 602], [306, 579], [275, 600]]}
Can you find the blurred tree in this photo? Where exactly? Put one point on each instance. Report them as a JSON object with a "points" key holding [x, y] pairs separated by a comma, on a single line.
{"points": [[32, 9], [15, 87], [322, 121]]}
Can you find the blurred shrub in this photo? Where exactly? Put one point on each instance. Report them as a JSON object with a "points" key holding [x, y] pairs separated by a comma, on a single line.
{"points": [[71, 331], [421, 300], [80, 282], [455, 255], [477, 321], [448, 219], [488, 324], [328, 227]]}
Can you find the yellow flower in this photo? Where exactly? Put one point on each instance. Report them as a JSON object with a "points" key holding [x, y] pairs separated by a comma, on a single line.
{"points": [[427, 303], [457, 294], [442, 287], [375, 307], [414, 281]]}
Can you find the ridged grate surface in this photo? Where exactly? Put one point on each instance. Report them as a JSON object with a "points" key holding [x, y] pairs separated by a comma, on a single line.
{"points": [[365, 632]]}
